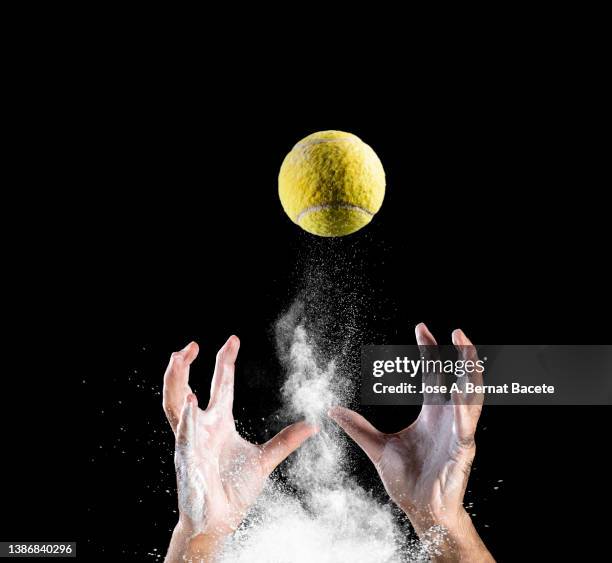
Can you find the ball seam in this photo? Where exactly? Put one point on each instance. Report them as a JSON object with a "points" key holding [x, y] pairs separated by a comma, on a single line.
{"points": [[315, 208]]}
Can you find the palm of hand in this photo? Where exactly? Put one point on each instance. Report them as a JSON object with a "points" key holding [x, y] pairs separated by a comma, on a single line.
{"points": [[425, 467], [231, 471]]}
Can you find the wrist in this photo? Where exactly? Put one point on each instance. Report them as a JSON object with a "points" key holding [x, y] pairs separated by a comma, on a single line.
{"points": [[451, 536], [197, 546], [462, 532], [204, 547]]}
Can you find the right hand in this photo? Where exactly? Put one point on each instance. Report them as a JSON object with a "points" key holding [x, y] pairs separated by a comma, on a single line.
{"points": [[425, 467]]}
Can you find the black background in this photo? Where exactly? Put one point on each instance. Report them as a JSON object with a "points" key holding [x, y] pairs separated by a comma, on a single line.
{"points": [[492, 222]]}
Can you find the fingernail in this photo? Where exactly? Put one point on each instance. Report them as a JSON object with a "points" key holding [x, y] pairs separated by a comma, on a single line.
{"points": [[459, 337]]}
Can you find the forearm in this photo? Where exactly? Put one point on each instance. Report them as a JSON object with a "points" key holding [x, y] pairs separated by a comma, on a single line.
{"points": [[453, 540], [187, 548]]}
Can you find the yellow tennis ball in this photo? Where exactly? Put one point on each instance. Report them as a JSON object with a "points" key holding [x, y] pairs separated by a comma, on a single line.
{"points": [[331, 184]]}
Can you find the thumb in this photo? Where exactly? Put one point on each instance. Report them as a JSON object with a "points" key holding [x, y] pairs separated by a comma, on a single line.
{"points": [[368, 438], [275, 450]]}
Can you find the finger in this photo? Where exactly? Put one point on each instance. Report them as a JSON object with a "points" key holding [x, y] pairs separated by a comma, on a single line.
{"points": [[176, 382], [222, 386], [368, 438], [275, 450], [428, 347], [424, 336], [468, 407], [185, 432], [468, 352]]}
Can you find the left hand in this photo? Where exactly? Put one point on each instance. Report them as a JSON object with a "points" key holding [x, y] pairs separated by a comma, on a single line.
{"points": [[219, 473]]}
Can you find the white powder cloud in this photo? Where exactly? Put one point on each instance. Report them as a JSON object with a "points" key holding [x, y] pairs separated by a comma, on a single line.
{"points": [[320, 513]]}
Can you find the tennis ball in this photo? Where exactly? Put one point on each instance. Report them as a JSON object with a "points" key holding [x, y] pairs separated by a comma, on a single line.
{"points": [[331, 184]]}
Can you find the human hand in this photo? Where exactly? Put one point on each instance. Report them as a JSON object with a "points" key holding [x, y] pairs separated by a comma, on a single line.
{"points": [[425, 467], [219, 473]]}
